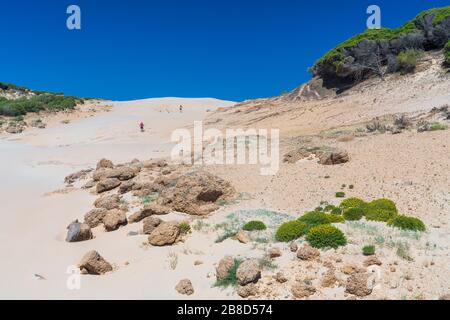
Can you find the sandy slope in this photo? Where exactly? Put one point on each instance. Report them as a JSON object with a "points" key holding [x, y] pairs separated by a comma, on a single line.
{"points": [[32, 232]]}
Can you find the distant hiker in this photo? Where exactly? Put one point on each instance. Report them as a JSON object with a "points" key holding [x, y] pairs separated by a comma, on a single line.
{"points": [[181, 109], [141, 125]]}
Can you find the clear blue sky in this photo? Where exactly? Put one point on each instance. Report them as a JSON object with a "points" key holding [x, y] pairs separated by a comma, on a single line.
{"points": [[228, 49]]}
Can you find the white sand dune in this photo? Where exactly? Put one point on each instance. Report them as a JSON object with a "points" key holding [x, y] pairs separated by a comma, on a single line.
{"points": [[32, 232]]}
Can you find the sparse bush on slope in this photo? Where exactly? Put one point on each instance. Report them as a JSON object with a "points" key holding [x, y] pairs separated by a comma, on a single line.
{"points": [[407, 60], [407, 223], [44, 102], [447, 53]]}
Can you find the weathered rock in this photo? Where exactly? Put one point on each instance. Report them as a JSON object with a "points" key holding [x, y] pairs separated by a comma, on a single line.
{"points": [[308, 253], [78, 232], [95, 217], [445, 297], [107, 184], [149, 210], [185, 287], [94, 263], [326, 155], [88, 185], [77, 176], [247, 290], [301, 290], [329, 279], [293, 247], [105, 163], [358, 285], [150, 224], [333, 157], [195, 193], [165, 234], [275, 253], [351, 269], [126, 186], [37, 123], [114, 219], [108, 202], [14, 129], [372, 261], [242, 236], [224, 267], [280, 277], [248, 272]]}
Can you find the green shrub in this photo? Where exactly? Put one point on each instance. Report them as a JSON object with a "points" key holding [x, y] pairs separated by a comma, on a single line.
{"points": [[340, 194], [254, 226], [383, 204], [44, 102], [336, 211], [314, 218], [335, 218], [368, 250], [230, 279], [373, 214], [291, 230], [407, 223], [436, 126], [326, 236], [352, 203], [185, 228], [329, 208], [407, 60], [447, 53], [353, 214]]}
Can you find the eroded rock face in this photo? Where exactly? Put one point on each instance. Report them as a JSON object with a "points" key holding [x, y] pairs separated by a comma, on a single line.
{"points": [[71, 178], [363, 59], [114, 219], [78, 232], [149, 210], [248, 272], [224, 267], [242, 236], [195, 193], [105, 163], [108, 202], [94, 263], [95, 217], [107, 184], [326, 155], [358, 284], [165, 234], [185, 287], [150, 224]]}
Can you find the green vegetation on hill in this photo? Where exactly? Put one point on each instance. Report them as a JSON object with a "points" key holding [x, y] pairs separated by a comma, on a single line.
{"points": [[42, 102], [447, 52], [335, 57]]}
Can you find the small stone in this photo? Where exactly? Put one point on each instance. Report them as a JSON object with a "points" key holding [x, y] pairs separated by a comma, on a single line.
{"points": [[275, 253], [242, 236], [280, 277], [248, 290], [248, 272], [307, 253], [293, 247], [301, 290], [185, 287], [372, 261], [224, 267]]}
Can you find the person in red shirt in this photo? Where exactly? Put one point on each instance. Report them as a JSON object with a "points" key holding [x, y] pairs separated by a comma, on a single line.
{"points": [[141, 125]]}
